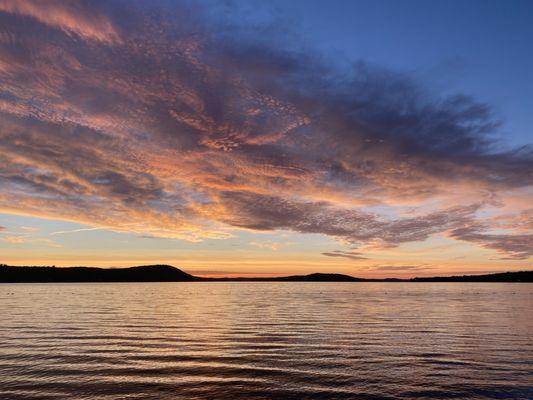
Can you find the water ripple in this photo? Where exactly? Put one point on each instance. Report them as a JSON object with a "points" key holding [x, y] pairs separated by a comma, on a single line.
{"points": [[266, 341]]}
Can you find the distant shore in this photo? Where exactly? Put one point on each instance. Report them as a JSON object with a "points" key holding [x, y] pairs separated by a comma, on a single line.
{"points": [[168, 273]]}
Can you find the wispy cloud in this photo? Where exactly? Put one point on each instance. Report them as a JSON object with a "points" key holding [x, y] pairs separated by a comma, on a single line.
{"points": [[25, 239], [353, 255], [29, 228], [510, 247], [270, 245], [399, 268], [76, 231]]}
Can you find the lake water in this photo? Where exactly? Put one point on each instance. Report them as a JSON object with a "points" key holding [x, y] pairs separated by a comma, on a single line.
{"points": [[266, 341]]}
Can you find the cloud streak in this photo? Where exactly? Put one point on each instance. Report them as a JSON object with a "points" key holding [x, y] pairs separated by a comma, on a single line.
{"points": [[72, 17], [352, 255], [159, 121], [75, 231], [399, 268], [511, 247]]}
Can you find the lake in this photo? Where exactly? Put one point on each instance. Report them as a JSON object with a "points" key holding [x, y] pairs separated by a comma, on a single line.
{"points": [[264, 340]]}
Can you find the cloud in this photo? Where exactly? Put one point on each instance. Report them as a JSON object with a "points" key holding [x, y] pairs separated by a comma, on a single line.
{"points": [[399, 268], [510, 246], [14, 239], [353, 255], [72, 17], [29, 228], [161, 121], [75, 231], [522, 221], [271, 245], [264, 212], [24, 239]]}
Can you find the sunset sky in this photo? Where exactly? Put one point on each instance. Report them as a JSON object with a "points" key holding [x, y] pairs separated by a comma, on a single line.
{"points": [[371, 138]]}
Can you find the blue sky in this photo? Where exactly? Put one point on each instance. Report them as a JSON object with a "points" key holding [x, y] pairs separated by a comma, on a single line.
{"points": [[480, 48]]}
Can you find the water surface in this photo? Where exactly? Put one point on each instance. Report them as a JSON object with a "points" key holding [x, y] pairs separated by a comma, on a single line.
{"points": [[253, 340]]}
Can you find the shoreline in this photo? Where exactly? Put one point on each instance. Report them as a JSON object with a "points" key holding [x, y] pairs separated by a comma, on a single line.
{"points": [[168, 273]]}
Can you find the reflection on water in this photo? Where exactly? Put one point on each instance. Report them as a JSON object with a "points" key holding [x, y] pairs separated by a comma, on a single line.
{"points": [[266, 341]]}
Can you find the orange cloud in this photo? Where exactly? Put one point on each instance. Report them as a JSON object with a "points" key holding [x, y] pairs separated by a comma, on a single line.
{"points": [[73, 17]]}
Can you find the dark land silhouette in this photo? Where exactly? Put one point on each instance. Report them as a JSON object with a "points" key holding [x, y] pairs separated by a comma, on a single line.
{"points": [[146, 273], [168, 273]]}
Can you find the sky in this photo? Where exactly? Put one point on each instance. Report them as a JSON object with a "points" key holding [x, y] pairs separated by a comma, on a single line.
{"points": [[372, 138]]}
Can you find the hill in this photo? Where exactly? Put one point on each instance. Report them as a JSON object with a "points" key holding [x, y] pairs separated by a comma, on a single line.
{"points": [[521, 276], [145, 273], [168, 273]]}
